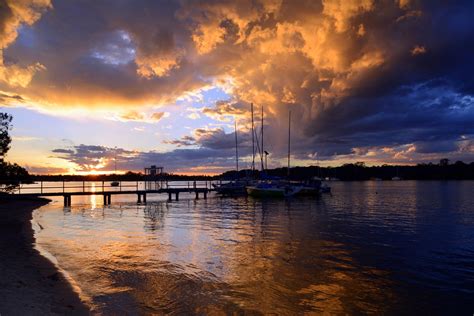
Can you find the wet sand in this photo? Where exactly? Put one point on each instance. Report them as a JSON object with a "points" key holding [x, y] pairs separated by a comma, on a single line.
{"points": [[29, 283]]}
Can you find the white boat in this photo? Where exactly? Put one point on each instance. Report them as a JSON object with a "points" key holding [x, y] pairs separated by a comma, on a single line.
{"points": [[396, 178], [325, 188]]}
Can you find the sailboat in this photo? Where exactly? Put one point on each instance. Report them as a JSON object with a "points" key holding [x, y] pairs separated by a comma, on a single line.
{"points": [[236, 187], [276, 188], [396, 178], [115, 183]]}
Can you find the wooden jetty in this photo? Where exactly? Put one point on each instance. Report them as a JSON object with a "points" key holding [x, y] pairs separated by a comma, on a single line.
{"points": [[68, 189]]}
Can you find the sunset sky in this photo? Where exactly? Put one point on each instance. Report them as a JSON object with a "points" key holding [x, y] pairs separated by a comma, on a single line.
{"points": [[161, 82]]}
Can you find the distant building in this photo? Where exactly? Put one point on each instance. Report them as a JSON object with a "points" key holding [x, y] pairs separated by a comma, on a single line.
{"points": [[444, 162], [154, 171], [153, 179]]}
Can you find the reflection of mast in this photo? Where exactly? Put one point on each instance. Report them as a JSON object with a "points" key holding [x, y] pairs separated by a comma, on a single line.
{"points": [[289, 142], [236, 150], [253, 140], [261, 148], [266, 156]]}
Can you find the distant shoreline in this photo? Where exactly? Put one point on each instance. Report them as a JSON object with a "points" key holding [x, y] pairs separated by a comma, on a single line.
{"points": [[346, 172], [30, 283]]}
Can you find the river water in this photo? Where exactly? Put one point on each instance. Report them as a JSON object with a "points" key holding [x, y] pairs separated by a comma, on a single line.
{"points": [[391, 247]]}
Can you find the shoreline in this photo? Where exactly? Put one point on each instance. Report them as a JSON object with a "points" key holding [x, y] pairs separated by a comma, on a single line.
{"points": [[29, 282]]}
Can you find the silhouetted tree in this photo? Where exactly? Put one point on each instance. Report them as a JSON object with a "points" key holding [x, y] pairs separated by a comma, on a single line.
{"points": [[5, 139], [10, 174]]}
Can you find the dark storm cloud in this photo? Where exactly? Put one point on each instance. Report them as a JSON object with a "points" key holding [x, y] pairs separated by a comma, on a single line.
{"points": [[428, 114], [63, 151], [215, 139], [108, 50]]}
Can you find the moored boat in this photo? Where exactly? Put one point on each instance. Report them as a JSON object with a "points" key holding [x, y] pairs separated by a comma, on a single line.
{"points": [[232, 188], [311, 187], [277, 190], [325, 188]]}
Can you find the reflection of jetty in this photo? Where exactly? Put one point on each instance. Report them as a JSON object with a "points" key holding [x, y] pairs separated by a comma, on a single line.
{"points": [[69, 189]]}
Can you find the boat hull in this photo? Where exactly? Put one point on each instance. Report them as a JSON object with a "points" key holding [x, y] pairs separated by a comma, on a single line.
{"points": [[231, 191], [308, 191], [265, 192], [231, 188]]}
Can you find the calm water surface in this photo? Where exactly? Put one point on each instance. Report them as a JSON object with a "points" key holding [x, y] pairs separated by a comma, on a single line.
{"points": [[373, 247]]}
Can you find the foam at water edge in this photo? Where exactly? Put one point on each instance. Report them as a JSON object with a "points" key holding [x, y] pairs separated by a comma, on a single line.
{"points": [[75, 286]]}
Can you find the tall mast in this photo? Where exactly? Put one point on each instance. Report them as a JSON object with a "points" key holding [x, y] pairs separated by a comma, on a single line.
{"points": [[236, 150], [261, 148], [253, 140], [289, 143], [115, 159]]}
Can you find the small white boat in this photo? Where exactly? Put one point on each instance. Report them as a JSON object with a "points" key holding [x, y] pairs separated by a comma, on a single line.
{"points": [[325, 188]]}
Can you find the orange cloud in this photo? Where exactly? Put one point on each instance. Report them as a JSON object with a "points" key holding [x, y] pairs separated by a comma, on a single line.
{"points": [[312, 57], [17, 76], [342, 11], [14, 14], [136, 116], [418, 50]]}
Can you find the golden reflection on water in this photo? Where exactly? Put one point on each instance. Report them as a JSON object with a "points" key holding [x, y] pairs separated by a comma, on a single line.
{"points": [[187, 260], [224, 256], [93, 198]]}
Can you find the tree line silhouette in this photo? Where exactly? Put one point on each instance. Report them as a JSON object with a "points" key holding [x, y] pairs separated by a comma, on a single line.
{"points": [[347, 172], [360, 171]]}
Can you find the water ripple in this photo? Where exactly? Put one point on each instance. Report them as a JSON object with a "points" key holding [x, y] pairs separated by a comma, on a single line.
{"points": [[373, 247]]}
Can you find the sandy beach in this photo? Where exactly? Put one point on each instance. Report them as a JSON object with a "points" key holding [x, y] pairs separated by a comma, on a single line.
{"points": [[29, 283]]}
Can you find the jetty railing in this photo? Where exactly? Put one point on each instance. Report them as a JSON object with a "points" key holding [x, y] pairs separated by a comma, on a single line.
{"points": [[40, 187], [67, 189]]}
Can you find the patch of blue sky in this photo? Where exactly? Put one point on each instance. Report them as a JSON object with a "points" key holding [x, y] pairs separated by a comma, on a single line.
{"points": [[83, 130], [190, 108], [26, 36], [53, 131], [117, 50]]}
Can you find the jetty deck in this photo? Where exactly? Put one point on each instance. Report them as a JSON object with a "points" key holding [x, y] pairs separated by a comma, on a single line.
{"points": [[67, 189]]}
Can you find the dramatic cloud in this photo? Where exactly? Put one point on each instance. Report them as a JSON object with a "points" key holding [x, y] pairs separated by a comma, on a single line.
{"points": [[215, 139], [364, 79], [227, 111], [13, 14], [142, 117], [87, 158]]}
